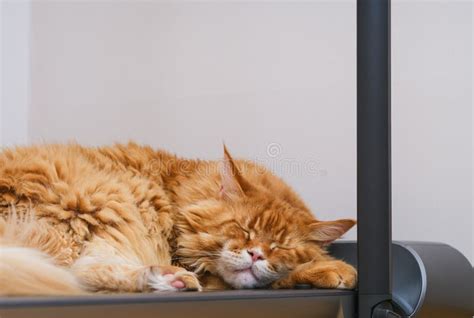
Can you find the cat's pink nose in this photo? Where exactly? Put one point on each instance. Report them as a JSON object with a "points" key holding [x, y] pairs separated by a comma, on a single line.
{"points": [[255, 255]]}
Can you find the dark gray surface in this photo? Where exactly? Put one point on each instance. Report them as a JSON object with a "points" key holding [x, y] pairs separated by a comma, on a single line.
{"points": [[165, 297], [229, 304], [449, 281]]}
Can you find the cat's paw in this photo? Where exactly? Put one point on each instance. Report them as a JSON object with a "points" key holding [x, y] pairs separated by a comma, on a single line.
{"points": [[340, 277], [172, 278], [327, 274]]}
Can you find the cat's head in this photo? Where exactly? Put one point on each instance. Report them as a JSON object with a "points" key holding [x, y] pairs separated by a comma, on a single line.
{"points": [[252, 235]]}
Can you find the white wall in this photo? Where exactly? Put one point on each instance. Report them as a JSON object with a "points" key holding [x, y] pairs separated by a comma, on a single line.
{"points": [[188, 76], [15, 71], [276, 81], [1, 76], [432, 122]]}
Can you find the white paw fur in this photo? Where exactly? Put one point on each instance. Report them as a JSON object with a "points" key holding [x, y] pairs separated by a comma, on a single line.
{"points": [[159, 282]]}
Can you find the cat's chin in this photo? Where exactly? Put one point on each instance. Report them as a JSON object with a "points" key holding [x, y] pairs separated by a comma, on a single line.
{"points": [[241, 279]]}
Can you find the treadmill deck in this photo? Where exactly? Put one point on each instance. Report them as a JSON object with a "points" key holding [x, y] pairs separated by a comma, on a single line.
{"points": [[228, 304]]}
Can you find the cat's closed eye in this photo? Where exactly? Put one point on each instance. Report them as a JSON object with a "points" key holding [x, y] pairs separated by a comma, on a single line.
{"points": [[275, 246]]}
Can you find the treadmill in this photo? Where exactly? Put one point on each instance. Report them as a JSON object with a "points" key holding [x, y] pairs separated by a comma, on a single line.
{"points": [[396, 279]]}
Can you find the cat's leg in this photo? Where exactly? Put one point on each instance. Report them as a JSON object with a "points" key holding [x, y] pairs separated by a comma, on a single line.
{"points": [[104, 268], [321, 274]]}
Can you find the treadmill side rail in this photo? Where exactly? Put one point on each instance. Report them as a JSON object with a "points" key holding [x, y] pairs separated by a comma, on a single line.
{"points": [[429, 279]]}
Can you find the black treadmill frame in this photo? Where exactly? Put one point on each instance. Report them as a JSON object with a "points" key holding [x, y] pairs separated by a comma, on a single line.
{"points": [[374, 233]]}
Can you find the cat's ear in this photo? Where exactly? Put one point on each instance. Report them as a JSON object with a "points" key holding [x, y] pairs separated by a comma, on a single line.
{"points": [[233, 184], [328, 231]]}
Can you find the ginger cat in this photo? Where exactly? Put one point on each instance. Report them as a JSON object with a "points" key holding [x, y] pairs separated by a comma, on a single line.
{"points": [[127, 218]]}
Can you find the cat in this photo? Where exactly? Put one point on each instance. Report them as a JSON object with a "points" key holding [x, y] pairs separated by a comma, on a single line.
{"points": [[128, 218]]}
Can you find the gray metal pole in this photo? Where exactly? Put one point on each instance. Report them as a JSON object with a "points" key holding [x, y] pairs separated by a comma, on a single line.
{"points": [[373, 154]]}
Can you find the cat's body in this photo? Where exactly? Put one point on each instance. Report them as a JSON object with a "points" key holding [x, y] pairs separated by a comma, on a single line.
{"points": [[128, 218]]}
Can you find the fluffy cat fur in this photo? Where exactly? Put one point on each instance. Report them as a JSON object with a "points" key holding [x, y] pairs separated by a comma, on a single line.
{"points": [[127, 218]]}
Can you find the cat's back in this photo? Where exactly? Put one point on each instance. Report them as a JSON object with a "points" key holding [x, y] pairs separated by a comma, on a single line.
{"points": [[35, 166], [55, 172], [20, 156], [41, 166]]}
